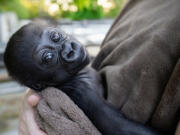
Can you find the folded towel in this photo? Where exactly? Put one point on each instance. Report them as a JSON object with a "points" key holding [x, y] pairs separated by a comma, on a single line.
{"points": [[56, 114]]}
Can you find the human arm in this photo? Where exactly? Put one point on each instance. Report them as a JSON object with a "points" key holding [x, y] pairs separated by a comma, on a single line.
{"points": [[27, 123]]}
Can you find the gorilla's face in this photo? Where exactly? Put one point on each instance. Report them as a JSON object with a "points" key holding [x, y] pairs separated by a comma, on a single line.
{"points": [[59, 54], [56, 50], [42, 55]]}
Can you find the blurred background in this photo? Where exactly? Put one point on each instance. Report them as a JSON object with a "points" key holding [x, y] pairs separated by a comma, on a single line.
{"points": [[86, 20]]}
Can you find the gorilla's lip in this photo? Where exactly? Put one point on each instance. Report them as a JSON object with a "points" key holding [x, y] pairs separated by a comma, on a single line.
{"points": [[75, 66], [70, 54], [84, 62], [79, 56]]}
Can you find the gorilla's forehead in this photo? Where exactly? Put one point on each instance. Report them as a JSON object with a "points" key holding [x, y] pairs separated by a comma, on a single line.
{"points": [[48, 30], [58, 29]]}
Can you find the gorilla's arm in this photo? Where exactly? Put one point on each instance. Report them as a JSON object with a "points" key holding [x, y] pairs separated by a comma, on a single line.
{"points": [[83, 90], [111, 122]]}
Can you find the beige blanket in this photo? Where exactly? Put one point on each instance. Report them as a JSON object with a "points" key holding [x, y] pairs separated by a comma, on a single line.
{"points": [[56, 114]]}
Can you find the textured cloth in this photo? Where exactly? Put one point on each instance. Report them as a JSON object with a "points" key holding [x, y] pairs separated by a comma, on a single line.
{"points": [[138, 62], [56, 114]]}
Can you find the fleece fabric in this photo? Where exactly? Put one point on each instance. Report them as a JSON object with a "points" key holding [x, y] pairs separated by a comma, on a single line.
{"points": [[139, 63], [56, 114]]}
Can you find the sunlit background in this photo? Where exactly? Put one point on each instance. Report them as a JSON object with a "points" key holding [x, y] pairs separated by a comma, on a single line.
{"points": [[72, 9], [86, 20]]}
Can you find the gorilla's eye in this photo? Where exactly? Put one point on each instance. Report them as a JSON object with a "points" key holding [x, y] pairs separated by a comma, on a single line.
{"points": [[48, 57], [55, 36]]}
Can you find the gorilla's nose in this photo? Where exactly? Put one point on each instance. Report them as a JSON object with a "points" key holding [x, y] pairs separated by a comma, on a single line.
{"points": [[70, 51]]}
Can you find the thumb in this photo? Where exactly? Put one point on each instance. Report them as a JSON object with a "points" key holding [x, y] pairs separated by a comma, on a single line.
{"points": [[33, 100]]}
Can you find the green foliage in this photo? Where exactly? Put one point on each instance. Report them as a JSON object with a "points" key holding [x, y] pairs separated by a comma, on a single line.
{"points": [[85, 14], [14, 5], [87, 9], [83, 4], [113, 12]]}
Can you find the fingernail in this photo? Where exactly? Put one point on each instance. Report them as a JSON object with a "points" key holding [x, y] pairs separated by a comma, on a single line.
{"points": [[33, 100]]}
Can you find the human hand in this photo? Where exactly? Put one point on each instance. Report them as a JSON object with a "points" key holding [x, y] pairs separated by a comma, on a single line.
{"points": [[27, 123], [60, 115]]}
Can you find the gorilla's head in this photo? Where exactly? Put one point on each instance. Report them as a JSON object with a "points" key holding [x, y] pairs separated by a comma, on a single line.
{"points": [[40, 55]]}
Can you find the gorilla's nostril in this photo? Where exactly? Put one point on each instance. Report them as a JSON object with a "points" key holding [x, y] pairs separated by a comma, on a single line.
{"points": [[73, 45], [70, 54], [71, 51]]}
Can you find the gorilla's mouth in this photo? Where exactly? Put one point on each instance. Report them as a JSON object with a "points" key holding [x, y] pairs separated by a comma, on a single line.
{"points": [[73, 56], [70, 52]]}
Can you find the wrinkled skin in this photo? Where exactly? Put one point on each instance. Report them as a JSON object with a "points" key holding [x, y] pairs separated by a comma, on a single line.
{"points": [[42, 55]]}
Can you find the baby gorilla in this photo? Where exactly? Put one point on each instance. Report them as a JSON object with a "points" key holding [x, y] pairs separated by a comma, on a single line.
{"points": [[40, 55]]}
